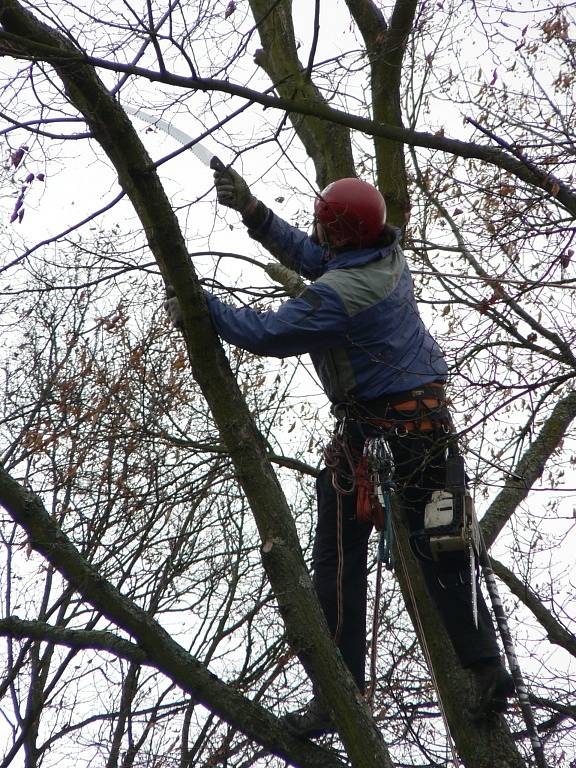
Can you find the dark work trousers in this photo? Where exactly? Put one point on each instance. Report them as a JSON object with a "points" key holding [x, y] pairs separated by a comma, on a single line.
{"points": [[419, 469]]}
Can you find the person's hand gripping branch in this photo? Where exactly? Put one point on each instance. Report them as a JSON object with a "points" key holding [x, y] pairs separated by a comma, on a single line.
{"points": [[172, 307]]}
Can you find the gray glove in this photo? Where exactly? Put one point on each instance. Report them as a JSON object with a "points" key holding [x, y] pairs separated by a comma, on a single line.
{"points": [[290, 280], [172, 307], [232, 191]]}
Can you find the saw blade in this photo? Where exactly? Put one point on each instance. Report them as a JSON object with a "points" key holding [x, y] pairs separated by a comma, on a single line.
{"points": [[202, 153]]}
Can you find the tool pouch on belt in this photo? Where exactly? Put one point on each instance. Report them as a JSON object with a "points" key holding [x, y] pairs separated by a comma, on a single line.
{"points": [[368, 507]]}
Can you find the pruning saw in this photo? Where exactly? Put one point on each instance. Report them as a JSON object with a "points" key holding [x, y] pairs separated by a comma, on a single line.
{"points": [[203, 154]]}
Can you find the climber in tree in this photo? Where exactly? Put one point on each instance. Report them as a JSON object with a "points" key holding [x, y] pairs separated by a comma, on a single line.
{"points": [[384, 375]]}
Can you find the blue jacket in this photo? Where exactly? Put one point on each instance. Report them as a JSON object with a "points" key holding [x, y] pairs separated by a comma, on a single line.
{"points": [[358, 320]]}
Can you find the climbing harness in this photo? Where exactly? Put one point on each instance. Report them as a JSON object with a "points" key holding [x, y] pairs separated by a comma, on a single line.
{"points": [[370, 477], [375, 477], [369, 474], [380, 464]]}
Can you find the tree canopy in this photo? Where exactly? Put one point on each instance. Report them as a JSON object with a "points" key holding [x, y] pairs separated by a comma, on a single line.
{"points": [[157, 488]]}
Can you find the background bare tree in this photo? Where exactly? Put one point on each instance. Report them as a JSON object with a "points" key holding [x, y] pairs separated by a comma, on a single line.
{"points": [[146, 538]]}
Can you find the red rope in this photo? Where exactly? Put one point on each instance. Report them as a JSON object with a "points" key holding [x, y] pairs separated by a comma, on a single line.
{"points": [[368, 507]]}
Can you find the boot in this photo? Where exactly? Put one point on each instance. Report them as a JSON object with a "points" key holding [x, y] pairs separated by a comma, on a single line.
{"points": [[494, 686], [311, 721]]}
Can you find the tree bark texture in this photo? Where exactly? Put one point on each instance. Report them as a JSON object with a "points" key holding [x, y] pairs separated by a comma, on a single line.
{"points": [[151, 643], [327, 144], [281, 554]]}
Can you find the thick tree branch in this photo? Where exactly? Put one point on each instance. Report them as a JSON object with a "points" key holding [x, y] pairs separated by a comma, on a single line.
{"points": [[386, 46], [399, 29], [557, 633], [370, 21], [95, 640], [281, 554], [476, 742], [154, 644], [529, 468], [495, 156], [327, 144]]}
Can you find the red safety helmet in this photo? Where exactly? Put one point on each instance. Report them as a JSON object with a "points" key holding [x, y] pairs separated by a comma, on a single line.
{"points": [[351, 212]]}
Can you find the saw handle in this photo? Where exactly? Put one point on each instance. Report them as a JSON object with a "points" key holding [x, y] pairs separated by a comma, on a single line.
{"points": [[217, 165]]}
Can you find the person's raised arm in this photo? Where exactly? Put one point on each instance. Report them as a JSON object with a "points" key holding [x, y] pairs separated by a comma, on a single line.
{"points": [[292, 247]]}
